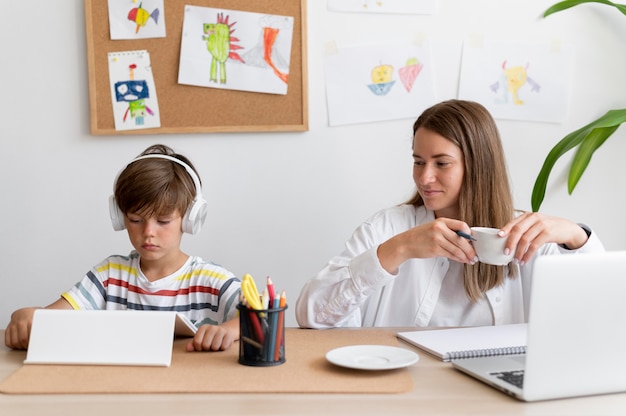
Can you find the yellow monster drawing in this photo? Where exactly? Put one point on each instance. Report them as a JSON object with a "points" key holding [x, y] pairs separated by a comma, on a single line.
{"points": [[514, 78]]}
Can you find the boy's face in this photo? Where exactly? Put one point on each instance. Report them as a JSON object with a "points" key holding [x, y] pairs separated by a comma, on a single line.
{"points": [[156, 238]]}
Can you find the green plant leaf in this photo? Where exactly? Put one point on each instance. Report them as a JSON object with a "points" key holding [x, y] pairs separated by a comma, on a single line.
{"points": [[589, 137], [593, 135], [566, 144], [588, 146], [563, 5]]}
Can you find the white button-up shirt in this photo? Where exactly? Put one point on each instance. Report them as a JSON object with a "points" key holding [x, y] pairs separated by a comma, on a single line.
{"points": [[355, 290]]}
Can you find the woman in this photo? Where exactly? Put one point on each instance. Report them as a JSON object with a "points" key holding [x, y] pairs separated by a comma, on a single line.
{"points": [[407, 266]]}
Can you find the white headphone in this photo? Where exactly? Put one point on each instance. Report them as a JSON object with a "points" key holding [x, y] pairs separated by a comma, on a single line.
{"points": [[193, 218]]}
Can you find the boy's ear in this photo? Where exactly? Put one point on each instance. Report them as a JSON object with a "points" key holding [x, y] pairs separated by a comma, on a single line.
{"points": [[117, 216]]}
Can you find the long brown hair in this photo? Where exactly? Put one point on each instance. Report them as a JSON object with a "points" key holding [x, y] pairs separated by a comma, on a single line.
{"points": [[485, 198]]}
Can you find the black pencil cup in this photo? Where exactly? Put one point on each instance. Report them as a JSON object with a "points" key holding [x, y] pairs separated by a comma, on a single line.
{"points": [[261, 336]]}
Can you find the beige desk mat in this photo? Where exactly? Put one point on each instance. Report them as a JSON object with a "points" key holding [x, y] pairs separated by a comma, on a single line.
{"points": [[305, 371]]}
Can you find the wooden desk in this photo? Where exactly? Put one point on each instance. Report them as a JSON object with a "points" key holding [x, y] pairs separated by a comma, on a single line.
{"points": [[438, 390]]}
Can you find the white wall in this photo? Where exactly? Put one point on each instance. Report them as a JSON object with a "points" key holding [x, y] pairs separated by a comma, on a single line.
{"points": [[282, 203]]}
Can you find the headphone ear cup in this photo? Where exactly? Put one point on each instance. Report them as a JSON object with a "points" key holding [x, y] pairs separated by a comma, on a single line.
{"points": [[117, 217], [195, 216]]}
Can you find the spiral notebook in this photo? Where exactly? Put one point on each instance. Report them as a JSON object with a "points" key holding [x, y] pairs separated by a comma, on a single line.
{"points": [[469, 342]]}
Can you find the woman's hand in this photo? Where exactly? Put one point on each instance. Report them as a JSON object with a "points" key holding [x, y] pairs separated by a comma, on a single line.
{"points": [[529, 231], [437, 238]]}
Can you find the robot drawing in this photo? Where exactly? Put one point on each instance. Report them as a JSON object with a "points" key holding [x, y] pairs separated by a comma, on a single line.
{"points": [[134, 92]]}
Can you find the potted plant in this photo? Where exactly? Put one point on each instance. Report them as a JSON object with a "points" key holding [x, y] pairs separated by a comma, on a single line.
{"points": [[588, 138]]}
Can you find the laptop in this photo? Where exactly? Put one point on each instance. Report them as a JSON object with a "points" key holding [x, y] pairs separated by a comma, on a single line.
{"points": [[576, 344]]}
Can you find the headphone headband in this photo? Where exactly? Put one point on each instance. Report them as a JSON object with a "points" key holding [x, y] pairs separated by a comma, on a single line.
{"points": [[193, 218], [190, 171]]}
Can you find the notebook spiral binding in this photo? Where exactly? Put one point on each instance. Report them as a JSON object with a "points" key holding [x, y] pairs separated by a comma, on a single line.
{"points": [[455, 355]]}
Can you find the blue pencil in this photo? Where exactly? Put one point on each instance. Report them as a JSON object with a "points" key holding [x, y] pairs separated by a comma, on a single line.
{"points": [[273, 327]]}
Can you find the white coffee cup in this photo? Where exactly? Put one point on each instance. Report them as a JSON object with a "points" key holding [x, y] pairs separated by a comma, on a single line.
{"points": [[489, 246]]}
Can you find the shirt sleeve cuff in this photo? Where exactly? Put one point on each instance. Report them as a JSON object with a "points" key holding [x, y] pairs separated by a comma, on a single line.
{"points": [[367, 271], [585, 228]]}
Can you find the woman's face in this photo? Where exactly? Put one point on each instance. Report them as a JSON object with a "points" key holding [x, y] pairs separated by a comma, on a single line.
{"points": [[438, 171]]}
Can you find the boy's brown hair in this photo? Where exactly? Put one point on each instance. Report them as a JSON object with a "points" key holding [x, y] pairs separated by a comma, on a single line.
{"points": [[155, 186]]}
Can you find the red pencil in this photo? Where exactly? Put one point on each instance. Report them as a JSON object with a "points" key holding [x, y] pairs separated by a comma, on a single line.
{"points": [[279, 331], [257, 326], [271, 292], [254, 320]]}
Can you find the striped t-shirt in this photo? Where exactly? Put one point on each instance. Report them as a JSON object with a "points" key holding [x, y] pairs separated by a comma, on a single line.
{"points": [[205, 292]]}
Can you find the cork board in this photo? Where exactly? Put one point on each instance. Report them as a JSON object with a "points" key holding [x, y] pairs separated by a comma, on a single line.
{"points": [[192, 109]]}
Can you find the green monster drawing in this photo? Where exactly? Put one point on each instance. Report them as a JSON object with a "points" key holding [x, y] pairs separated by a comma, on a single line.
{"points": [[220, 45]]}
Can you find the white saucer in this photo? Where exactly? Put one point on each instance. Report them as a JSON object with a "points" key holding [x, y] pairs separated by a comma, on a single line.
{"points": [[372, 357]]}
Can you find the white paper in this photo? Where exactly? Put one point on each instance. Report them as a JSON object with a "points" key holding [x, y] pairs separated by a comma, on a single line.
{"points": [[136, 19], [184, 327], [378, 82], [384, 6], [443, 342], [143, 338], [543, 71], [133, 91], [253, 55]]}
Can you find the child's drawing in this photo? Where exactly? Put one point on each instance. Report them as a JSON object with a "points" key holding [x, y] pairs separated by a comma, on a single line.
{"points": [[132, 20], [517, 81], [236, 50], [140, 16], [265, 52], [361, 82], [512, 80], [135, 93], [382, 75], [132, 89], [221, 45], [381, 79], [409, 72]]}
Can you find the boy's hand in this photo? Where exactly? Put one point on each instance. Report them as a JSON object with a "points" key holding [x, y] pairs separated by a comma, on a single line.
{"points": [[215, 337], [17, 334]]}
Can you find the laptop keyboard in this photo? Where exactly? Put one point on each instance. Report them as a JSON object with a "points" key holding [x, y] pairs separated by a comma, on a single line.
{"points": [[515, 378]]}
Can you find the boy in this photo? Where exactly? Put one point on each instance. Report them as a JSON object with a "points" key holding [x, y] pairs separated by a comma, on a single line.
{"points": [[156, 198]]}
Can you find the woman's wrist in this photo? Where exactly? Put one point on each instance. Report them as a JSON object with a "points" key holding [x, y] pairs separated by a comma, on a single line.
{"points": [[579, 242], [390, 255]]}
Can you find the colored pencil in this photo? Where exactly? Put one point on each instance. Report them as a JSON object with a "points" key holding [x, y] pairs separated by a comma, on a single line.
{"points": [[281, 323], [273, 330], [464, 235]]}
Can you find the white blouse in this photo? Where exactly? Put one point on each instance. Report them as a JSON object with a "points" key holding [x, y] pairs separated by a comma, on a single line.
{"points": [[355, 290]]}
